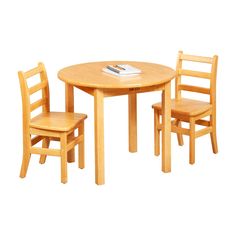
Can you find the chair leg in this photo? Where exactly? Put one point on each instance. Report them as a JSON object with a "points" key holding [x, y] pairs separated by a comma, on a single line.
{"points": [[46, 142], [81, 147], [25, 162], [192, 141], [26, 155], [156, 133], [179, 136], [213, 134], [63, 158]]}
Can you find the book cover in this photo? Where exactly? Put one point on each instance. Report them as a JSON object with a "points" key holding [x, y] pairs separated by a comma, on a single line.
{"points": [[122, 69]]}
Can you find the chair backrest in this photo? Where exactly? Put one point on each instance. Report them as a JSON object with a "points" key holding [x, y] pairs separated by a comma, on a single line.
{"points": [[27, 91], [213, 61]]}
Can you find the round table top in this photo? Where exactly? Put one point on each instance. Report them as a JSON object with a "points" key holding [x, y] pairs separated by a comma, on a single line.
{"points": [[91, 75]]}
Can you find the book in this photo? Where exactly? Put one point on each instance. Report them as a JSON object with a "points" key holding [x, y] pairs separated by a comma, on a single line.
{"points": [[117, 74], [121, 70]]}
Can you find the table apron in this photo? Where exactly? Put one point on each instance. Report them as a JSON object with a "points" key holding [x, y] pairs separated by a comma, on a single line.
{"points": [[107, 92]]}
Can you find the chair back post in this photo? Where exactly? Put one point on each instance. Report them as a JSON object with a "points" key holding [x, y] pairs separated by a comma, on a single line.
{"points": [[178, 76], [25, 108], [45, 91], [213, 81]]}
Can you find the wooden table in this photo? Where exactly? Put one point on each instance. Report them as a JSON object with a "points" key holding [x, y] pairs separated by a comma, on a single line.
{"points": [[90, 78]]}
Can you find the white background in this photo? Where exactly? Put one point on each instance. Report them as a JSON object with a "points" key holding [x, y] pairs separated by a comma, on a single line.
{"points": [[137, 199]]}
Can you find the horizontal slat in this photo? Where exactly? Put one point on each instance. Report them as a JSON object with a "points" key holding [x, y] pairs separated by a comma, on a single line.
{"points": [[36, 139], [203, 122], [196, 58], [37, 87], [74, 142], [37, 104], [32, 72], [199, 74], [195, 89], [175, 129], [202, 132], [179, 130], [54, 139], [160, 126], [45, 151]]}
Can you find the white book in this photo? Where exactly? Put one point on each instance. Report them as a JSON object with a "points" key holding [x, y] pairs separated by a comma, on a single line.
{"points": [[106, 70], [122, 69]]}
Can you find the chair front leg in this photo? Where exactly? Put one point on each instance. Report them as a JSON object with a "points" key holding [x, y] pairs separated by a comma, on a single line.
{"points": [[25, 162], [46, 142], [156, 132], [192, 141], [26, 155], [81, 146], [63, 158]]}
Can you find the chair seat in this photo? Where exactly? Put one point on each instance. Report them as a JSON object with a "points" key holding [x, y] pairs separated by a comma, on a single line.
{"points": [[57, 121], [186, 107]]}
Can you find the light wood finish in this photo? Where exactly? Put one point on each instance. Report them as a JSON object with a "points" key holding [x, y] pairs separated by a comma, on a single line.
{"points": [[194, 58], [46, 142], [90, 78], [186, 107], [74, 142], [202, 132], [192, 141], [132, 122], [195, 74], [189, 110], [69, 102], [125, 91], [63, 157], [90, 75], [86, 90], [38, 87], [166, 129], [81, 162], [45, 133], [36, 139], [179, 135], [37, 104], [56, 121], [195, 89], [156, 133], [99, 136], [45, 151], [47, 125]]}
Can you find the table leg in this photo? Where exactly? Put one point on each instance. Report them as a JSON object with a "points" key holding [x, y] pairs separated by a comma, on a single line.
{"points": [[99, 136], [166, 131], [69, 97], [132, 122]]}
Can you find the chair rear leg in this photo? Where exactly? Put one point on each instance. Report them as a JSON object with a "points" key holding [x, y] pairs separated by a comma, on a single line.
{"points": [[81, 146], [156, 133], [63, 158], [192, 142], [179, 136], [46, 142], [213, 134]]}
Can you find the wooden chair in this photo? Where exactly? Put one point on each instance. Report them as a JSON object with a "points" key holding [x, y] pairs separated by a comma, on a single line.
{"points": [[47, 125], [189, 110]]}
